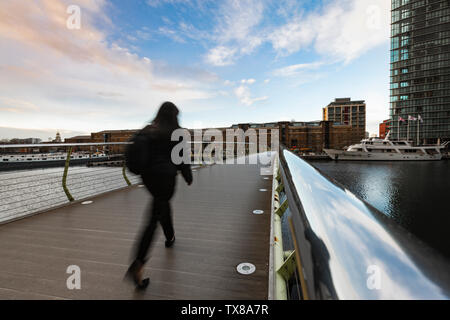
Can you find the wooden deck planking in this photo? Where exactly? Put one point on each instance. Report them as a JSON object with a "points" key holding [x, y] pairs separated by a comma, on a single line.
{"points": [[215, 231]]}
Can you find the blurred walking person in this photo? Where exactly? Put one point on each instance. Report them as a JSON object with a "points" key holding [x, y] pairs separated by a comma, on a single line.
{"points": [[159, 176]]}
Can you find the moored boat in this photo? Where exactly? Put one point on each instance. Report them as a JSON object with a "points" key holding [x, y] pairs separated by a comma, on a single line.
{"points": [[387, 150], [43, 160]]}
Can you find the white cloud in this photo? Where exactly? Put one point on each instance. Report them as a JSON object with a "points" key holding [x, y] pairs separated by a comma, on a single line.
{"points": [[248, 81], [266, 81], [235, 33], [171, 34], [238, 19], [293, 36], [295, 69], [78, 76], [221, 56], [343, 30], [245, 97], [340, 30], [16, 105], [143, 34]]}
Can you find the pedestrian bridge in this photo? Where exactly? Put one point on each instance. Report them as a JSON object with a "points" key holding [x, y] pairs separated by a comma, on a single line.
{"points": [[215, 227], [309, 239]]}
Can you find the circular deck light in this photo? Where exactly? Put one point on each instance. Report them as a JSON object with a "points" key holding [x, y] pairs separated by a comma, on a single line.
{"points": [[141, 186], [246, 268], [87, 202], [263, 190], [258, 211]]}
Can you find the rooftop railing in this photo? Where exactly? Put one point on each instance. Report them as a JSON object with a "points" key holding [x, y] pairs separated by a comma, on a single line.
{"points": [[346, 249]]}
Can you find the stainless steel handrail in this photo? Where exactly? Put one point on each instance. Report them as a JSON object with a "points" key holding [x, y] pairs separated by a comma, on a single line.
{"points": [[350, 250]]}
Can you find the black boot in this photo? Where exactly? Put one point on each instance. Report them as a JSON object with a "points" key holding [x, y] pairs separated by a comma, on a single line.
{"points": [[169, 243], [133, 275]]}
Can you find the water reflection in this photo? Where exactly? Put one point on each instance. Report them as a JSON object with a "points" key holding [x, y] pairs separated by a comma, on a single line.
{"points": [[413, 193]]}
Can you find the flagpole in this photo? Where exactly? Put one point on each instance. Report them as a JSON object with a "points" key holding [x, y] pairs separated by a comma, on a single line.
{"points": [[398, 129], [418, 126], [407, 134]]}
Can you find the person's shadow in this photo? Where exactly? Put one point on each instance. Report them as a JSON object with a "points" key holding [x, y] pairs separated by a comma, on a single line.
{"points": [[323, 282]]}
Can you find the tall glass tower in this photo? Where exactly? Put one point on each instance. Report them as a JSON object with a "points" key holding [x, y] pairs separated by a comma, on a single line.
{"points": [[420, 70]]}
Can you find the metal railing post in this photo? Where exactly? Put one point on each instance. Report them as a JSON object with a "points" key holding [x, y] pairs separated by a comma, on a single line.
{"points": [[125, 174], [64, 180]]}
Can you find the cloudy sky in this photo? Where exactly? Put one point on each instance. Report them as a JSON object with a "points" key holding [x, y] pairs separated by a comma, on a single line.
{"points": [[222, 62]]}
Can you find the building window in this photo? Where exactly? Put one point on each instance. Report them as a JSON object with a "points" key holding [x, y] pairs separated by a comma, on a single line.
{"points": [[395, 29], [405, 28], [395, 43], [396, 4], [405, 40], [394, 56], [395, 16], [405, 13], [404, 54]]}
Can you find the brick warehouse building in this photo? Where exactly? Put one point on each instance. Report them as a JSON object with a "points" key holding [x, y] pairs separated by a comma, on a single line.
{"points": [[103, 136], [113, 136], [80, 139], [311, 136]]}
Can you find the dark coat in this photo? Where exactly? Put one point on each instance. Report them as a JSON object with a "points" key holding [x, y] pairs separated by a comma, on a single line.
{"points": [[161, 146]]}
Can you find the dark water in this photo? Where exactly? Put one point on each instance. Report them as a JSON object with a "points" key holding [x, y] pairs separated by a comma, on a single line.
{"points": [[415, 194]]}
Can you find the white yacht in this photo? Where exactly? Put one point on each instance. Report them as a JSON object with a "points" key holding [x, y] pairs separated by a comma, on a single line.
{"points": [[386, 150]]}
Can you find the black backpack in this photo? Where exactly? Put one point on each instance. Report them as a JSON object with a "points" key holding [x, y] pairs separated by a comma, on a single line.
{"points": [[138, 154]]}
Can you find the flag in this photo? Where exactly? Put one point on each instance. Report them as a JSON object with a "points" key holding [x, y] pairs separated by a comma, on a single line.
{"points": [[412, 118], [401, 119], [420, 118]]}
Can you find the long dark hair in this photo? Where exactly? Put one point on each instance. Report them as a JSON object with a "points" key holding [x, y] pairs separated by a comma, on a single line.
{"points": [[167, 117]]}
